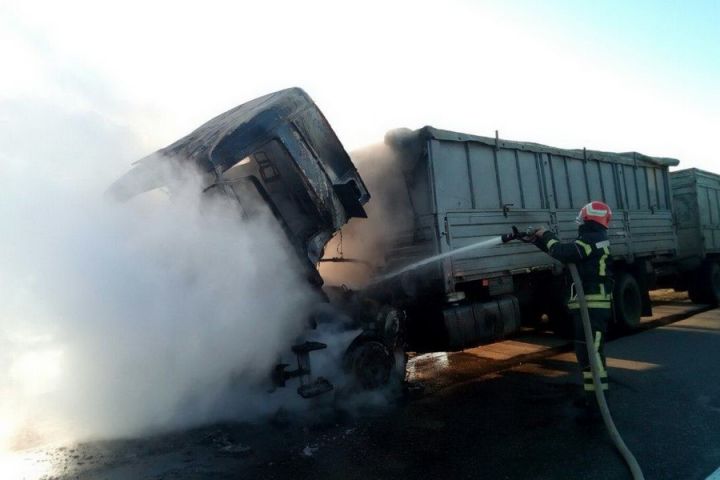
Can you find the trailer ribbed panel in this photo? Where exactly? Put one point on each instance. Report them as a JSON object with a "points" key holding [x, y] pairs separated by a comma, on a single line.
{"points": [[478, 188]]}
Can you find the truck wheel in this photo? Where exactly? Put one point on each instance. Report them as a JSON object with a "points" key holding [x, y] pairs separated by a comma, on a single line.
{"points": [[627, 302], [705, 287], [370, 363], [712, 282], [695, 292]]}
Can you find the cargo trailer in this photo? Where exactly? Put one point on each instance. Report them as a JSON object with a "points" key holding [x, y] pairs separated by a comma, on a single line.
{"points": [[696, 204], [466, 188]]}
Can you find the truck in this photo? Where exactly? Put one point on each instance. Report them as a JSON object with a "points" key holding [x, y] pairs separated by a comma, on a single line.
{"points": [[467, 188], [696, 210], [280, 151]]}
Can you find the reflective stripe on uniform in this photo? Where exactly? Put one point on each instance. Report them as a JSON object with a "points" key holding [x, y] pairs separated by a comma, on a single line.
{"points": [[602, 297], [590, 387], [596, 304], [603, 262], [585, 246], [598, 337], [550, 243], [594, 300], [588, 384]]}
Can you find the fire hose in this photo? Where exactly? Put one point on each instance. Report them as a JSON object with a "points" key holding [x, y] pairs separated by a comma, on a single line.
{"points": [[596, 368], [595, 365]]}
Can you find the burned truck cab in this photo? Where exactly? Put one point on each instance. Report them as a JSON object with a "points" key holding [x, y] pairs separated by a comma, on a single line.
{"points": [[277, 153], [277, 149]]}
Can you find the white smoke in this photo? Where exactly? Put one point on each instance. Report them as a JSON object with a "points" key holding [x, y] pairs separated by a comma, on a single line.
{"points": [[389, 215], [117, 319]]}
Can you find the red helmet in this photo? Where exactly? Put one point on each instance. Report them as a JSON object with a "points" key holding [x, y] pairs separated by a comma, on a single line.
{"points": [[597, 212]]}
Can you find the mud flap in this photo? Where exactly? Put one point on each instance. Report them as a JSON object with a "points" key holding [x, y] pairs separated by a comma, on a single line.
{"points": [[308, 387]]}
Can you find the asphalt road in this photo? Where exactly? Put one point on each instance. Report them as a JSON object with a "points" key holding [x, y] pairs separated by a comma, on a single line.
{"points": [[515, 423]]}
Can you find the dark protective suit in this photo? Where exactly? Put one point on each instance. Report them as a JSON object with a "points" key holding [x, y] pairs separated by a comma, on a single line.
{"points": [[590, 252]]}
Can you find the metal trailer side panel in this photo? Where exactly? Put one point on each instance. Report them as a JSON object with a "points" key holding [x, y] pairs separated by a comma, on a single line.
{"points": [[480, 187], [470, 218], [696, 197]]}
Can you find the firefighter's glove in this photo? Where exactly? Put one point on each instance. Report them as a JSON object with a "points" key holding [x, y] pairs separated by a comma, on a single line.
{"points": [[536, 238], [538, 232]]}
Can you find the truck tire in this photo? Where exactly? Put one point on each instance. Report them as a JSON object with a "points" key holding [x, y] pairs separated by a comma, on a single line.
{"points": [[627, 300], [712, 282], [371, 363], [705, 287], [695, 292]]}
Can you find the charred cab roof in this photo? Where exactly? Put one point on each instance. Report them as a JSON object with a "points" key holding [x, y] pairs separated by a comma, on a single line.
{"points": [[232, 135], [223, 141]]}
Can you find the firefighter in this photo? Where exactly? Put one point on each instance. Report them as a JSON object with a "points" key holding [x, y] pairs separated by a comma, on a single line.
{"points": [[591, 253]]}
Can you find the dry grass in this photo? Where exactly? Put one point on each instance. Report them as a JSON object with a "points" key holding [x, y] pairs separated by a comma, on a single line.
{"points": [[668, 295]]}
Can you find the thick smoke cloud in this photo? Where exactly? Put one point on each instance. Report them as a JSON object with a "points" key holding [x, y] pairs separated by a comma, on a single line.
{"points": [[119, 319], [389, 215]]}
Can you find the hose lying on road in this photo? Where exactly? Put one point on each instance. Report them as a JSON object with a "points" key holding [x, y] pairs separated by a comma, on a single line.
{"points": [[596, 367]]}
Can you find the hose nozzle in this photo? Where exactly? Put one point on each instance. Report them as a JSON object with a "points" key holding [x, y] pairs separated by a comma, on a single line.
{"points": [[516, 234]]}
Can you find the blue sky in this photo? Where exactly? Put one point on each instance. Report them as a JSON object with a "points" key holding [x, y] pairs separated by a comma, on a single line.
{"points": [[677, 40], [606, 75]]}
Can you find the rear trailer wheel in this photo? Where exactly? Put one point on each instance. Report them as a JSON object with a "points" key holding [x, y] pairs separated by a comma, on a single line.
{"points": [[712, 282], [627, 300], [705, 287], [695, 291]]}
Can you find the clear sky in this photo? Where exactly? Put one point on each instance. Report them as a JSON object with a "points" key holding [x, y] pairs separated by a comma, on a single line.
{"points": [[610, 75]]}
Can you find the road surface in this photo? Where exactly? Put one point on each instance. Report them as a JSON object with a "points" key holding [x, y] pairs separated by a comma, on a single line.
{"points": [[503, 411]]}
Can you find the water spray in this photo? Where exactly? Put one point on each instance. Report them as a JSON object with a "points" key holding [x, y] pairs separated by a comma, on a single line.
{"points": [[515, 235], [413, 266]]}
